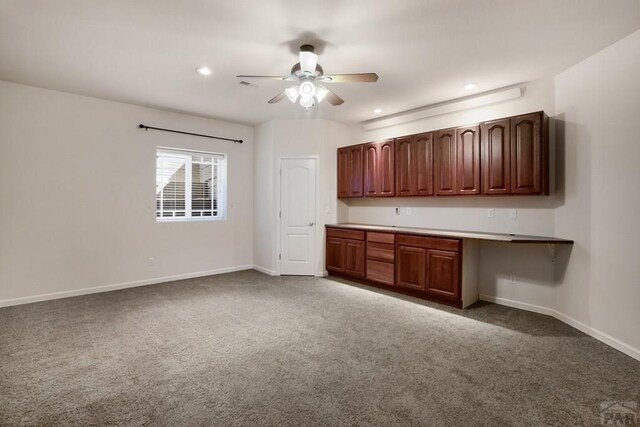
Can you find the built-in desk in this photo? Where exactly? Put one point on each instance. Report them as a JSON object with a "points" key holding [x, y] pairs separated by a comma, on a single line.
{"points": [[439, 265]]}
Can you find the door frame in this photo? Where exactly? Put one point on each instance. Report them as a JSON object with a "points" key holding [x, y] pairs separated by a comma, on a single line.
{"points": [[278, 197]]}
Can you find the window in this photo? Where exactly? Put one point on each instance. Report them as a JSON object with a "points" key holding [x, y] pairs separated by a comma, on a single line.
{"points": [[189, 185]]}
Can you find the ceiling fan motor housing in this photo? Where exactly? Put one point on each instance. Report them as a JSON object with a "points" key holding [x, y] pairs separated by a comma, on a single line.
{"points": [[296, 72]]}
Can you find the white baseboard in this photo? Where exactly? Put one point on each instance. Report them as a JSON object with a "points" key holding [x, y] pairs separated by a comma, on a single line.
{"points": [[517, 304], [265, 270], [582, 327], [113, 287]]}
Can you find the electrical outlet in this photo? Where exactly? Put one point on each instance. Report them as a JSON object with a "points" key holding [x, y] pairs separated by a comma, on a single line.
{"points": [[513, 278], [150, 261], [491, 213], [513, 213], [408, 211], [397, 211]]}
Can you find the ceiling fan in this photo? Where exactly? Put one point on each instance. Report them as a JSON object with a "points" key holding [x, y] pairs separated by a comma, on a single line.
{"points": [[309, 76]]}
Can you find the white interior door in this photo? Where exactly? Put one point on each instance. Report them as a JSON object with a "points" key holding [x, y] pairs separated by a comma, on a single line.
{"points": [[298, 216]]}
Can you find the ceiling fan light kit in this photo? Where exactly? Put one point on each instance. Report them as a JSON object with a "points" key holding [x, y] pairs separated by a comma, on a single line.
{"points": [[308, 73]]}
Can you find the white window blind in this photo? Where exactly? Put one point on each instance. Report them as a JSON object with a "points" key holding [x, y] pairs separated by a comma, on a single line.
{"points": [[189, 185]]}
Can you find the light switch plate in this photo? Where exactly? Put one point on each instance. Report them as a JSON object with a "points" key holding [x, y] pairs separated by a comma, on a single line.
{"points": [[513, 213], [409, 211], [491, 213]]}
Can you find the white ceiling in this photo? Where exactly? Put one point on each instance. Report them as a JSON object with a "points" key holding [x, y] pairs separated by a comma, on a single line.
{"points": [[145, 51]]}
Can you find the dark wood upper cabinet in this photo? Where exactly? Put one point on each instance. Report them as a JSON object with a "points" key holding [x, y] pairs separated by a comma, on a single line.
{"points": [[444, 148], [350, 171], [343, 173], [414, 165], [443, 273], [379, 169], [405, 167], [496, 157], [499, 157], [529, 154], [468, 160], [423, 144]]}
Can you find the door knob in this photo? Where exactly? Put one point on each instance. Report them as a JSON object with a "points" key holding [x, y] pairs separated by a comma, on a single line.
{"points": [[310, 224]]}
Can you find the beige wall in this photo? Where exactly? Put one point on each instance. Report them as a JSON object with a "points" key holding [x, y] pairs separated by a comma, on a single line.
{"points": [[598, 104], [282, 138], [77, 196]]}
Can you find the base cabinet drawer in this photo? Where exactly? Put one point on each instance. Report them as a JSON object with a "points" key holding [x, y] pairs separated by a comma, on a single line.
{"points": [[381, 272], [442, 243], [381, 252]]}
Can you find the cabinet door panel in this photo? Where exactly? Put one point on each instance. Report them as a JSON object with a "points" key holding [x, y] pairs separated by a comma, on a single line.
{"points": [[526, 154], [387, 169], [423, 155], [405, 167], [355, 171], [354, 257], [468, 160], [496, 157], [411, 267], [344, 183], [371, 162], [335, 254], [443, 274], [445, 162]]}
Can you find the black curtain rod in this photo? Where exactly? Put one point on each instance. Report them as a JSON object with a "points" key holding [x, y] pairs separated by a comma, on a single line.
{"points": [[145, 127]]}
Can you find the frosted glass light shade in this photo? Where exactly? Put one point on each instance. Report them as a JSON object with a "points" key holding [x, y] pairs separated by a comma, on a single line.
{"points": [[292, 93], [307, 88], [307, 101]]}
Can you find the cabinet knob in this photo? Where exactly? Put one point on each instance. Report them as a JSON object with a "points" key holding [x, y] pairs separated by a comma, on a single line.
{"points": [[310, 224]]}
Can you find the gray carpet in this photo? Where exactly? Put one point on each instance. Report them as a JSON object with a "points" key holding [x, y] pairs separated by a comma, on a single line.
{"points": [[248, 349]]}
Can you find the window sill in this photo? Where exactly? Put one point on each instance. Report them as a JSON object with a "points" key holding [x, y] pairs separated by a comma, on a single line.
{"points": [[166, 220]]}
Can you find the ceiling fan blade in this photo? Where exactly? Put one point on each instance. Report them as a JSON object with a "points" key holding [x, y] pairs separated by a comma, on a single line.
{"points": [[243, 76], [308, 62], [350, 78], [333, 99], [279, 97]]}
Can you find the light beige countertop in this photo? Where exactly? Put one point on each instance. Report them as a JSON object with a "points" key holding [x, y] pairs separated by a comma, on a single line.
{"points": [[479, 235]]}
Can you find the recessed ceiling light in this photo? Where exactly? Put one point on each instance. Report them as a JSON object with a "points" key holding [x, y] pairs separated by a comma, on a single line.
{"points": [[377, 110], [470, 86], [204, 70]]}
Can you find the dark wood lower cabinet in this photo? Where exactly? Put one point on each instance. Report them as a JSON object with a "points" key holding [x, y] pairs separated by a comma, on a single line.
{"points": [[411, 267], [345, 252], [354, 257], [423, 266], [443, 273], [335, 254]]}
